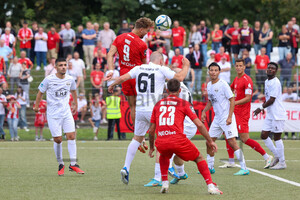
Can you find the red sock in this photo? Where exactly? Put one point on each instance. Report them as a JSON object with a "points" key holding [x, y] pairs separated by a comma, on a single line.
{"points": [[229, 150], [256, 146], [164, 166], [203, 169]]}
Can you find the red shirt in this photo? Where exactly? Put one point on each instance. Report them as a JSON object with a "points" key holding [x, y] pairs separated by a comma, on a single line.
{"points": [[262, 61], [178, 60], [218, 57], [131, 50], [103, 50], [216, 34], [26, 60], [1, 64], [2, 79], [151, 35], [245, 35], [25, 33], [178, 34], [241, 87], [97, 76], [293, 39], [53, 39], [168, 115], [234, 33], [14, 112]]}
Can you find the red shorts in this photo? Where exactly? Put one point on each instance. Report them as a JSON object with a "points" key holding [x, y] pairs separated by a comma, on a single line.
{"points": [[183, 148], [242, 124], [128, 88]]}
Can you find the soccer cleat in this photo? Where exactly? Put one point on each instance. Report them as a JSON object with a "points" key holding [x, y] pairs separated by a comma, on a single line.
{"points": [[165, 187], [274, 162], [213, 189], [212, 171], [176, 180], [124, 175], [268, 162], [173, 173], [76, 169], [143, 147], [228, 165], [242, 172], [61, 170], [153, 183], [279, 165]]}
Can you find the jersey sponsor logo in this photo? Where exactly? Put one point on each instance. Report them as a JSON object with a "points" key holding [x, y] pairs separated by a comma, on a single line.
{"points": [[61, 92], [164, 133], [212, 98], [168, 103], [127, 64]]}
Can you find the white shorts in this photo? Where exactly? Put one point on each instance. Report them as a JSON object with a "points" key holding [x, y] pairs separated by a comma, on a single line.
{"points": [[275, 126], [57, 124], [189, 128], [142, 122], [217, 128]]}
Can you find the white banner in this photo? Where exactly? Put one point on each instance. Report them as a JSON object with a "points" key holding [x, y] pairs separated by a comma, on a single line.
{"points": [[292, 124]]}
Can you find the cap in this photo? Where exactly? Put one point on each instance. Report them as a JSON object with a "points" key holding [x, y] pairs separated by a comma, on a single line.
{"points": [[212, 52], [25, 22], [124, 22], [191, 46], [12, 97]]}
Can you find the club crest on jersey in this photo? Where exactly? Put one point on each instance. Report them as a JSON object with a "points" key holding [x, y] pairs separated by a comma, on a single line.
{"points": [[61, 92], [216, 90]]}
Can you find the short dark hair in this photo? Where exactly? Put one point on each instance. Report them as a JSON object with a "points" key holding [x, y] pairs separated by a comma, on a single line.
{"points": [[214, 64], [173, 85], [60, 60], [240, 60], [273, 63]]}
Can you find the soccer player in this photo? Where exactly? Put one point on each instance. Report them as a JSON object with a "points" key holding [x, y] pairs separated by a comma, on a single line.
{"points": [[167, 119], [275, 117], [221, 98], [149, 85], [242, 87], [58, 87]]}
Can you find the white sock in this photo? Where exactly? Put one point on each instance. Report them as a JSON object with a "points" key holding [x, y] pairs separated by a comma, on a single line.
{"points": [[171, 161], [210, 161], [72, 151], [58, 152], [157, 174], [271, 146], [266, 156], [240, 156], [231, 161], [180, 170], [280, 150], [131, 151]]}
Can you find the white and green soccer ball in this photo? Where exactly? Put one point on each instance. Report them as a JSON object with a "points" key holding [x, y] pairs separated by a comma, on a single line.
{"points": [[163, 22]]}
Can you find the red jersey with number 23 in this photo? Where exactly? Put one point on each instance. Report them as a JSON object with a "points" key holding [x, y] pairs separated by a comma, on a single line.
{"points": [[241, 87], [131, 50], [168, 115]]}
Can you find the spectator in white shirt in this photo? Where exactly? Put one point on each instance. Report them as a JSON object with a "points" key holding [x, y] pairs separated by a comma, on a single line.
{"points": [[82, 107], [14, 71], [40, 48], [9, 38], [50, 69], [78, 66], [225, 69], [72, 72], [68, 38], [106, 36], [289, 96]]}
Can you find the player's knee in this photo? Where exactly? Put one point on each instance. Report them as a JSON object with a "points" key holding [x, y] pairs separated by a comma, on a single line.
{"points": [[58, 140], [70, 136], [264, 136], [277, 136]]}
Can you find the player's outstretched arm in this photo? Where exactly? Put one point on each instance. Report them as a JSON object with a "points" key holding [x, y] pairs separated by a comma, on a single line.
{"points": [[120, 80], [203, 114], [185, 68], [110, 62], [151, 139], [38, 99]]}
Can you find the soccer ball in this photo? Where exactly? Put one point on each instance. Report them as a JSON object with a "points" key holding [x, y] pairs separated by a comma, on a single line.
{"points": [[163, 22]]}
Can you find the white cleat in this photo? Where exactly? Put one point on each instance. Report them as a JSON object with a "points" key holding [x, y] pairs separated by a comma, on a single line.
{"points": [[165, 187], [280, 165], [212, 189], [274, 162], [268, 162], [228, 165]]}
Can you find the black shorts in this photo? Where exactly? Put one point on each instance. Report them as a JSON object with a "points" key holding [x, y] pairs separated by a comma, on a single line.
{"points": [[235, 49]]}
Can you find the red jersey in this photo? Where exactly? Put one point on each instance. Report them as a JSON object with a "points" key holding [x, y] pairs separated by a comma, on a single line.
{"points": [[168, 111], [218, 57], [97, 76], [14, 112], [178, 35], [151, 35], [178, 60], [2, 79], [103, 51], [53, 39], [262, 61], [25, 34], [25, 60], [217, 34], [131, 50], [241, 87], [1, 64], [234, 33]]}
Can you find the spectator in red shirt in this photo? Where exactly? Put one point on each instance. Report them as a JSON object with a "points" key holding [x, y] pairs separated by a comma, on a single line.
{"points": [[233, 34], [103, 50], [99, 59], [178, 37], [177, 59], [25, 36], [294, 35], [216, 36], [222, 54], [261, 64], [24, 59], [2, 65], [245, 36], [2, 79], [13, 117], [52, 44], [97, 80]]}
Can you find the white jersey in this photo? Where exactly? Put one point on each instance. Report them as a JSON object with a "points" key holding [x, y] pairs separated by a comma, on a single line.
{"points": [[219, 94], [275, 111], [150, 82], [225, 75], [96, 112], [58, 95]]}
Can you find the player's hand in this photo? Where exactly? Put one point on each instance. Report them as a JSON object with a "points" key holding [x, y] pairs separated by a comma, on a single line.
{"points": [[36, 109], [213, 146], [257, 111], [151, 153], [74, 110], [185, 62], [108, 77], [228, 121], [110, 89], [203, 116]]}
